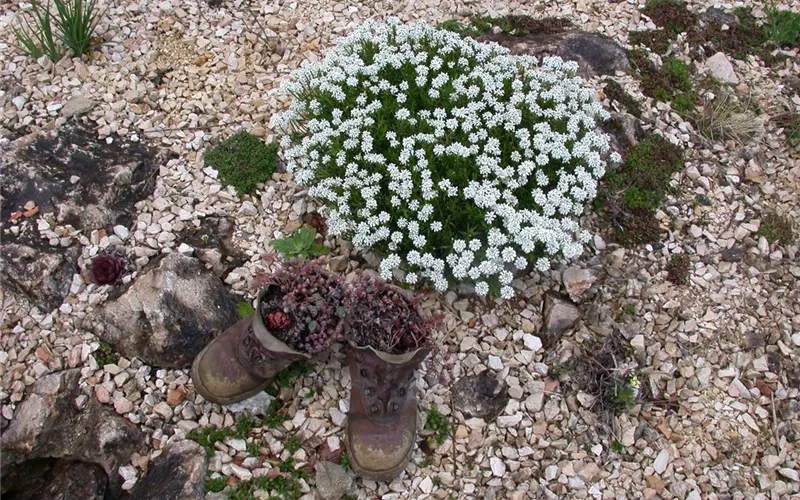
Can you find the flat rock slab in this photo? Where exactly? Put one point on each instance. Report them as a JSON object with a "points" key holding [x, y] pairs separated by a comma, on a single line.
{"points": [[481, 396], [66, 177], [168, 314], [48, 424], [596, 55], [179, 472], [47, 478]]}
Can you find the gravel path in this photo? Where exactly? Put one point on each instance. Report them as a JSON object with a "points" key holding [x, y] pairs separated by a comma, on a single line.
{"points": [[717, 415]]}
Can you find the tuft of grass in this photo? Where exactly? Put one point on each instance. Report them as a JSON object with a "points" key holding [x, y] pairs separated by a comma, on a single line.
{"points": [[782, 27], [285, 377], [440, 425], [345, 462], [678, 269], [630, 194], [670, 83], [216, 485], [35, 36], [300, 244], [292, 444], [616, 446], [207, 436], [615, 92], [105, 355], [725, 118], [243, 161], [77, 22], [776, 229]]}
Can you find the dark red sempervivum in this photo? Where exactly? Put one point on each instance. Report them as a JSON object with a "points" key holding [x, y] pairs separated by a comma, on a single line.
{"points": [[107, 268], [278, 321]]}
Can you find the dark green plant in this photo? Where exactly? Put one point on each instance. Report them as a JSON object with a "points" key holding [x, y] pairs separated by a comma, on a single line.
{"points": [[629, 195], [207, 436], [243, 161], [670, 83], [345, 462], [300, 244], [678, 269], [671, 15], [35, 37], [245, 309], [516, 25], [274, 416], [782, 27], [216, 485], [105, 355], [77, 22], [615, 92], [616, 446], [292, 444], [776, 228], [624, 396], [440, 425]]}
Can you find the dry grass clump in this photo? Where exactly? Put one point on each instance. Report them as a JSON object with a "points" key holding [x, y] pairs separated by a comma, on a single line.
{"points": [[725, 118]]}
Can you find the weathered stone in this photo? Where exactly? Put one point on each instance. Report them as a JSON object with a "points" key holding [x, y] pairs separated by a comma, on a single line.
{"points": [[42, 273], [595, 54], [624, 130], [77, 105], [47, 424], [578, 282], [481, 396], [168, 314], [49, 478], [721, 68], [179, 473], [559, 315], [333, 482], [213, 244], [733, 254]]}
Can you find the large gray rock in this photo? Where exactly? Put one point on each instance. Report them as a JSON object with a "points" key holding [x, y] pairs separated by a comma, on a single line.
{"points": [[55, 479], [481, 396], [333, 482], [48, 424], [212, 241], [67, 177], [179, 473], [168, 314], [559, 315], [596, 54]]}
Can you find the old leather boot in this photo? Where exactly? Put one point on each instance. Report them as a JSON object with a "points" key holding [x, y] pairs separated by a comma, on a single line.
{"points": [[382, 422], [241, 361]]}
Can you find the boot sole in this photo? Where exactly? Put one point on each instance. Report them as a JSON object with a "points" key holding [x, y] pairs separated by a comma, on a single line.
{"points": [[198, 386]]}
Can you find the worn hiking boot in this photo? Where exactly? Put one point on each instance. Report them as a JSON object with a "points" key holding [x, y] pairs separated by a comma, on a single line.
{"points": [[241, 361], [382, 422]]}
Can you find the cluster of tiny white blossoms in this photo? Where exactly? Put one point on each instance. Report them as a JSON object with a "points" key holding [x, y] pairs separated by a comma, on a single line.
{"points": [[455, 160]]}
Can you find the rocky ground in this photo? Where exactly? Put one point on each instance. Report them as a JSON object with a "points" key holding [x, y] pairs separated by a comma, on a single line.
{"points": [[710, 365]]}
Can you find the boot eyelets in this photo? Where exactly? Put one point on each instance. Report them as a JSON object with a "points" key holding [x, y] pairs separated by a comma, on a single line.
{"points": [[364, 373], [368, 391], [395, 407], [246, 341], [373, 408], [401, 392]]}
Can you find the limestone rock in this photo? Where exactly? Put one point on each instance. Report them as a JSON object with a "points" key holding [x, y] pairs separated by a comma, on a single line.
{"points": [[43, 274], [47, 424], [168, 314], [721, 68], [179, 473], [578, 282], [333, 482], [559, 315], [55, 478], [77, 105], [481, 396]]}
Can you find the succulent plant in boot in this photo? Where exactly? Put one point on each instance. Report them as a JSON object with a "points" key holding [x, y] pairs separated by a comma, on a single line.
{"points": [[388, 338], [303, 305]]}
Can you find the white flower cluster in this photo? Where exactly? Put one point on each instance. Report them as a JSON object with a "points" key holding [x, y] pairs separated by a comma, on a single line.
{"points": [[456, 160]]}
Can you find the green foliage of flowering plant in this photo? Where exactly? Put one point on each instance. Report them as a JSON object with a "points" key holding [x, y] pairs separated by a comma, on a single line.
{"points": [[450, 158]]}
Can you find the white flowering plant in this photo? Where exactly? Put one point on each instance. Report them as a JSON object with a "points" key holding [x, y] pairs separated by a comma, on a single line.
{"points": [[450, 158]]}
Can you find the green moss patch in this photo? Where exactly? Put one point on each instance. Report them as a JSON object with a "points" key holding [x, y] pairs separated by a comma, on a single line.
{"points": [[615, 92], [629, 196], [782, 27], [669, 83], [517, 25], [243, 161], [776, 229]]}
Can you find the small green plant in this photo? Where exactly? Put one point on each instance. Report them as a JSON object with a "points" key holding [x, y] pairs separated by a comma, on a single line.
{"points": [[207, 436], [345, 462], [35, 37], [77, 22], [629, 309], [285, 488], [776, 229], [671, 15], [274, 416], [624, 395], [292, 444], [437, 481], [559, 370], [670, 83], [516, 25], [440, 425], [615, 92], [300, 244], [790, 123], [253, 449], [629, 195], [216, 485], [782, 27], [616, 446], [105, 355], [286, 377], [245, 309], [678, 269], [243, 161]]}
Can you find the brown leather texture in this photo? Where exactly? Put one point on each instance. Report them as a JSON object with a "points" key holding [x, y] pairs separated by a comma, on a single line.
{"points": [[382, 421]]}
